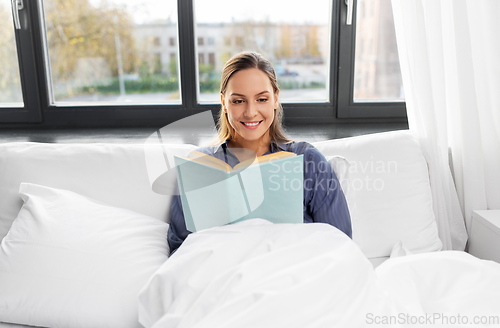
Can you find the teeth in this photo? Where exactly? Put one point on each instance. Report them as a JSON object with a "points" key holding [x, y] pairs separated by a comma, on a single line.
{"points": [[251, 124]]}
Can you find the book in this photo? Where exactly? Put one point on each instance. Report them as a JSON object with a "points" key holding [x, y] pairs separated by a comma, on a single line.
{"points": [[214, 194]]}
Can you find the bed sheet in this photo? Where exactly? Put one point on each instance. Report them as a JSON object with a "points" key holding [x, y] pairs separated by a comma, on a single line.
{"points": [[374, 261], [256, 274], [311, 276]]}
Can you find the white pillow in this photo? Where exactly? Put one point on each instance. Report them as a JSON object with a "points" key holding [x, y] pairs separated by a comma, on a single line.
{"points": [[115, 174], [70, 261], [400, 250], [389, 194]]}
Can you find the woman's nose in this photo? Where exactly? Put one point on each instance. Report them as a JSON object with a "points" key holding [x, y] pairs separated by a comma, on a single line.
{"points": [[251, 110]]}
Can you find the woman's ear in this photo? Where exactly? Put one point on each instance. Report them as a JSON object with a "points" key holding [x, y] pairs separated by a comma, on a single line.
{"points": [[276, 98], [223, 103]]}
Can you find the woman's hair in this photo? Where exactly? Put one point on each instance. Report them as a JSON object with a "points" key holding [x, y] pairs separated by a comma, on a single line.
{"points": [[246, 60]]}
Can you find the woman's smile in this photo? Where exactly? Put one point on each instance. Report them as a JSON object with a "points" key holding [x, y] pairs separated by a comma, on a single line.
{"points": [[251, 125]]}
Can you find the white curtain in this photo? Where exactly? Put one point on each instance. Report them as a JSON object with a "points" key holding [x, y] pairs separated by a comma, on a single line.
{"points": [[449, 52]]}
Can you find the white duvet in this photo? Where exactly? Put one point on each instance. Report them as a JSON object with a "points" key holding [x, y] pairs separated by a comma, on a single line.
{"points": [[256, 274]]}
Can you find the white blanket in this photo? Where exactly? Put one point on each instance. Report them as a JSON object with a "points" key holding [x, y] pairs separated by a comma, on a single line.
{"points": [[256, 274]]}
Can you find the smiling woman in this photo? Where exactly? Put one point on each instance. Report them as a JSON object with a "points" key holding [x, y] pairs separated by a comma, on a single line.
{"points": [[250, 124], [251, 114]]}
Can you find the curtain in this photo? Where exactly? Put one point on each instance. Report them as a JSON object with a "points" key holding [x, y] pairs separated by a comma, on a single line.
{"points": [[449, 54]]}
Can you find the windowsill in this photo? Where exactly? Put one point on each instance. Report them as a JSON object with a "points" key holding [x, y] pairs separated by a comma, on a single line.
{"points": [[303, 132]]}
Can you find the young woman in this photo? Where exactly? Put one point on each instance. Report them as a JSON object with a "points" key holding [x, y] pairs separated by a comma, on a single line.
{"points": [[250, 119]]}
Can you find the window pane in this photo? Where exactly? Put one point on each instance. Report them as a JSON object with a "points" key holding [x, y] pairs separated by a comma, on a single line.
{"points": [[296, 40], [377, 76], [112, 52], [11, 94]]}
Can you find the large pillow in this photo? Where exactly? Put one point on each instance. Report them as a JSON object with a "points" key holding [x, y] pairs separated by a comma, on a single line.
{"points": [[69, 261], [112, 173], [388, 192]]}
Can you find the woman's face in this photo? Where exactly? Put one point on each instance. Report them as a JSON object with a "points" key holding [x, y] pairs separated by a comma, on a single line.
{"points": [[249, 102]]}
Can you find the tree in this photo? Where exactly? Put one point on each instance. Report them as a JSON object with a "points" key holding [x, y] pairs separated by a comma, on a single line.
{"points": [[312, 42], [284, 51], [76, 30]]}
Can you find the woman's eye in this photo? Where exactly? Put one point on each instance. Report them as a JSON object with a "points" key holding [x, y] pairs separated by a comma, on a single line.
{"points": [[263, 99], [237, 101]]}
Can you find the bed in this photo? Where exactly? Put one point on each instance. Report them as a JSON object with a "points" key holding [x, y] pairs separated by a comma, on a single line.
{"points": [[85, 246]]}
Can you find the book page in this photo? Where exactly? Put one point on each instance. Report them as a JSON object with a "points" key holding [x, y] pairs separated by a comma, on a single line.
{"points": [[208, 160], [206, 208], [263, 159]]}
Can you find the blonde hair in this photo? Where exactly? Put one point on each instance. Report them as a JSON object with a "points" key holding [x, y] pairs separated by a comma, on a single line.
{"points": [[246, 60]]}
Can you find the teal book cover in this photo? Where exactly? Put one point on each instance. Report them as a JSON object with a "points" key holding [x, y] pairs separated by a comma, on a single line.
{"points": [[214, 194]]}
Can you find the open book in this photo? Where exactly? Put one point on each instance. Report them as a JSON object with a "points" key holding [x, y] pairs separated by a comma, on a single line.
{"points": [[215, 194]]}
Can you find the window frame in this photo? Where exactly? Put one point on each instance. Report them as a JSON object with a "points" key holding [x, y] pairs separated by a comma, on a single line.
{"points": [[339, 109], [25, 46], [347, 107]]}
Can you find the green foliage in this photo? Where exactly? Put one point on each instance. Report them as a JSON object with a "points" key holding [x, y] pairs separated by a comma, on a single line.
{"points": [[147, 84], [209, 79], [144, 70], [173, 67], [211, 85], [157, 83], [291, 85]]}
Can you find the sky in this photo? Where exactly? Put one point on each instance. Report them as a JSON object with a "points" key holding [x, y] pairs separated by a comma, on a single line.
{"points": [[216, 11], [280, 11]]}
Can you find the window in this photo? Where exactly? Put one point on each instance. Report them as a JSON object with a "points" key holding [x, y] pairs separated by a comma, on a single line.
{"points": [[296, 42], [10, 79], [131, 62], [372, 85], [377, 64], [99, 53], [19, 88]]}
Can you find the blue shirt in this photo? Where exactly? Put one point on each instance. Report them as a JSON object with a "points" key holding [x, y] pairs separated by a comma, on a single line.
{"points": [[324, 200]]}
